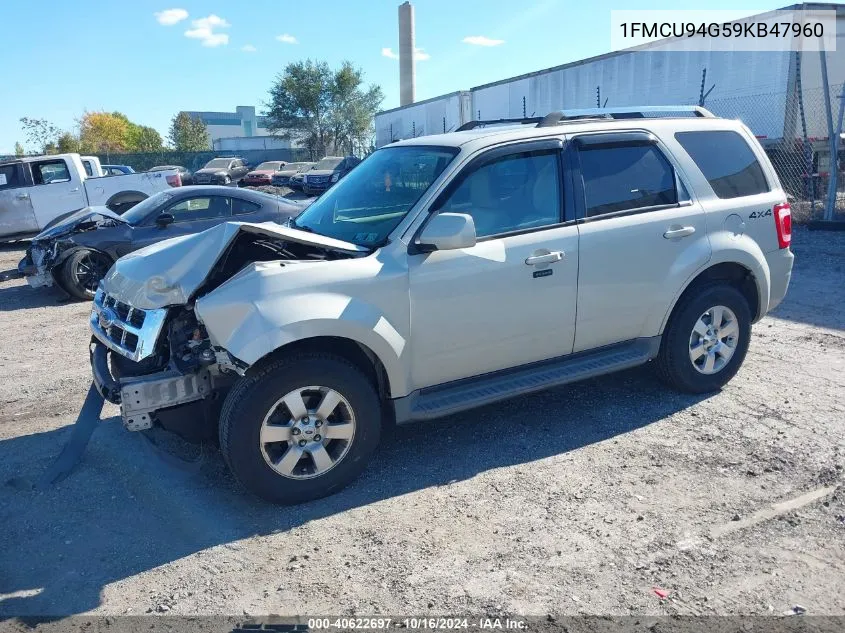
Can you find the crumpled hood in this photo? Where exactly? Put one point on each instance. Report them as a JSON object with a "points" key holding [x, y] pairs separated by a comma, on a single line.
{"points": [[170, 272], [71, 222]]}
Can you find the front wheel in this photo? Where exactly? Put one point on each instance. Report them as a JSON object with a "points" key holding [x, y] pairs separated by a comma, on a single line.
{"points": [[301, 428], [706, 340], [80, 274]]}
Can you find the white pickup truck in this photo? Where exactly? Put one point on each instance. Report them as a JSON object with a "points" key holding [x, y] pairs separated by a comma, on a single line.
{"points": [[37, 190]]}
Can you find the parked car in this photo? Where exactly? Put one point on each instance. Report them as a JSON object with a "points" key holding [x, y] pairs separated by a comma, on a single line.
{"points": [[184, 173], [117, 170], [36, 191], [77, 252], [221, 171], [93, 168], [296, 181], [449, 272], [326, 173], [282, 177], [263, 174]]}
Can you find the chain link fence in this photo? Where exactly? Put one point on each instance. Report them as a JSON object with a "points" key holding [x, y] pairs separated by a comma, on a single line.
{"points": [[794, 130]]}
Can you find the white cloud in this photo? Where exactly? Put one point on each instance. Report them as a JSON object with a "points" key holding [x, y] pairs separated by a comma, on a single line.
{"points": [[248, 48], [287, 38], [480, 40], [419, 54], [204, 30], [169, 17]]}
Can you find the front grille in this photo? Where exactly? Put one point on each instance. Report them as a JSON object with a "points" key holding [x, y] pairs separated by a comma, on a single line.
{"points": [[317, 180], [131, 332]]}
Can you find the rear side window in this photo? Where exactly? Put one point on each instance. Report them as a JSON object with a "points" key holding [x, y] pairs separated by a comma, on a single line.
{"points": [[9, 176], [626, 177], [241, 207], [726, 161]]}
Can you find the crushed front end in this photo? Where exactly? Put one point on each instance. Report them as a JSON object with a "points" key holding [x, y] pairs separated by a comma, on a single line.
{"points": [[159, 366]]}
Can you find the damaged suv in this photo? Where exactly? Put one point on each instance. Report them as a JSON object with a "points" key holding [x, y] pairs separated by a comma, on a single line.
{"points": [[442, 274]]}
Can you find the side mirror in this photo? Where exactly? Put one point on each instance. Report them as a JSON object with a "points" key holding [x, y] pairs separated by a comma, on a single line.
{"points": [[164, 219], [448, 231]]}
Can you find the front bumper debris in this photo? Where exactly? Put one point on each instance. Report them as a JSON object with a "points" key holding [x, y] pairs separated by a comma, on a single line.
{"points": [[33, 269], [141, 396]]}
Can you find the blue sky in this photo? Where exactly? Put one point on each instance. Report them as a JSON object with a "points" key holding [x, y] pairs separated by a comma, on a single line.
{"points": [[67, 57]]}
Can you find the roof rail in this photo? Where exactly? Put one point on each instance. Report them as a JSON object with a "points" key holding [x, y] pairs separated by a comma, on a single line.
{"points": [[636, 112], [471, 125]]}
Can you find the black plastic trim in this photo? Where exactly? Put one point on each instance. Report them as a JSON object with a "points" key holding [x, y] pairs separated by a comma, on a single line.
{"points": [[469, 393], [107, 386]]}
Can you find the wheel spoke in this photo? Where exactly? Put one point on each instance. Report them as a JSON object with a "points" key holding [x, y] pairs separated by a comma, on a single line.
{"points": [[729, 329], [339, 431], [328, 405], [321, 457], [700, 328], [275, 434], [293, 401], [710, 361], [716, 317], [697, 352], [289, 460]]}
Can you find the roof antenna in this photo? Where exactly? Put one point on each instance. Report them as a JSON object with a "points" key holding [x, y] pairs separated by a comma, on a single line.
{"points": [[551, 119]]}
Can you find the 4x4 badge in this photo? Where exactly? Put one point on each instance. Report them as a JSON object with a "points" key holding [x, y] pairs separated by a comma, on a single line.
{"points": [[760, 214]]}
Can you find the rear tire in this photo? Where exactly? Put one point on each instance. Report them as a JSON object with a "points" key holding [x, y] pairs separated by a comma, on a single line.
{"points": [[270, 438], [697, 354], [80, 274]]}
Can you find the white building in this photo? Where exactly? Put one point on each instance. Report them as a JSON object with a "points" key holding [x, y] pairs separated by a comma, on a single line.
{"points": [[242, 123], [759, 87]]}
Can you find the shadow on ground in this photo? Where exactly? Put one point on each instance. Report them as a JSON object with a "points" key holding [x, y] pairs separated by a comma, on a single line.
{"points": [[124, 511], [21, 297]]}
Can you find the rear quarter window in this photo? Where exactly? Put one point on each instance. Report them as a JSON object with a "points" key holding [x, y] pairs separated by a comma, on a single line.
{"points": [[726, 160]]}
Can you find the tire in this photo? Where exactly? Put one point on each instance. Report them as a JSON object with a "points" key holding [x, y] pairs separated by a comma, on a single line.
{"points": [[675, 364], [82, 271], [252, 400]]}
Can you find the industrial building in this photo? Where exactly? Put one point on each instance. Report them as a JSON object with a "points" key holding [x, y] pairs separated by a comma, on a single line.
{"points": [[778, 94], [239, 130]]}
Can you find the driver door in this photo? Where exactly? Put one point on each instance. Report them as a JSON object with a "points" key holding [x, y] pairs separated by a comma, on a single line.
{"points": [[190, 215], [510, 299]]}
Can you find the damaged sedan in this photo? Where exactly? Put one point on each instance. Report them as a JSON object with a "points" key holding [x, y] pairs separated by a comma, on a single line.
{"points": [[78, 251]]}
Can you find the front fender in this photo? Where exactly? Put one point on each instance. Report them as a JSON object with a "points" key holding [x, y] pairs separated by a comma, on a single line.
{"points": [[729, 248], [249, 330]]}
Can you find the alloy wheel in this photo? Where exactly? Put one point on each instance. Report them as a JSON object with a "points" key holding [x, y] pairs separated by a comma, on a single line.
{"points": [[713, 340]]}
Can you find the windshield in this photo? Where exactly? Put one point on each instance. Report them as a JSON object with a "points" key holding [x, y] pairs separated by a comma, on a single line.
{"points": [[328, 163], [365, 206], [218, 163], [273, 165], [136, 214]]}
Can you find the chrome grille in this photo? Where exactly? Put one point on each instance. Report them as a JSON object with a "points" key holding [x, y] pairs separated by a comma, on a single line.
{"points": [[131, 332]]}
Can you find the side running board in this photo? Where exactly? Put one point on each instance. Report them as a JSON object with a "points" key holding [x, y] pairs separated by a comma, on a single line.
{"points": [[453, 397]]}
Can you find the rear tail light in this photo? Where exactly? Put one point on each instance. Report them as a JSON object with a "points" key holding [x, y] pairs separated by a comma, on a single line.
{"points": [[783, 224], [174, 181]]}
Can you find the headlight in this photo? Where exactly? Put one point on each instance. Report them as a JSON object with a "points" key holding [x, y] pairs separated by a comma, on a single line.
{"points": [[335, 177]]}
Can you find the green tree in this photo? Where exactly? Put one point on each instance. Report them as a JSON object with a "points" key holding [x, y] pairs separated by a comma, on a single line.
{"points": [[67, 143], [104, 132], [188, 134], [144, 139], [19, 150], [40, 132], [353, 109]]}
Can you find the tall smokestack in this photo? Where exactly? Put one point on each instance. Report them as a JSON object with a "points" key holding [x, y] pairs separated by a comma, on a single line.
{"points": [[407, 79]]}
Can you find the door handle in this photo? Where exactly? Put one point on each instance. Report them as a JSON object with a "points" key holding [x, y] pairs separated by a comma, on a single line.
{"points": [[678, 231], [74, 190], [549, 258], [22, 196]]}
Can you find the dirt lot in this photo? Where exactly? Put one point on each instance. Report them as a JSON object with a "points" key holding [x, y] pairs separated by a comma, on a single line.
{"points": [[579, 500]]}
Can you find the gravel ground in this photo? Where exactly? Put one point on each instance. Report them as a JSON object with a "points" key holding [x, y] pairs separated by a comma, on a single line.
{"points": [[582, 499]]}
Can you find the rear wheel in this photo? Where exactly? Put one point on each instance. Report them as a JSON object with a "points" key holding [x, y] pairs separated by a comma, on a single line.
{"points": [[706, 340], [301, 428], [80, 274]]}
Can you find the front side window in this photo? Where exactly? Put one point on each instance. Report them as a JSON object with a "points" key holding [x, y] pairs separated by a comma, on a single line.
{"points": [[513, 193], [625, 177], [50, 171], [202, 208], [726, 161], [365, 206]]}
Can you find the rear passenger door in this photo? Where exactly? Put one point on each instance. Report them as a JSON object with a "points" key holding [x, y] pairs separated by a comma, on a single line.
{"points": [[641, 236]]}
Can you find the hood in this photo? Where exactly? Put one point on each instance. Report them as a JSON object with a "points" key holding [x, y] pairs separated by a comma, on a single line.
{"points": [[84, 219], [170, 272], [261, 172], [321, 172], [287, 172], [212, 171]]}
